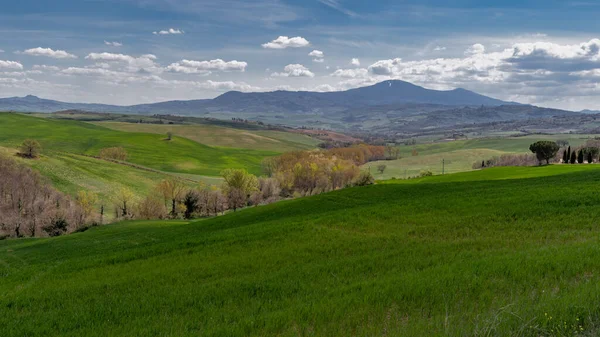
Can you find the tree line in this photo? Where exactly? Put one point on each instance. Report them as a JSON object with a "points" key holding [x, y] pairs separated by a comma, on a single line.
{"points": [[548, 152]]}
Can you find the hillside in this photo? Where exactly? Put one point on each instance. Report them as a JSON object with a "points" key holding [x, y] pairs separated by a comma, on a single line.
{"points": [[180, 155], [514, 257]]}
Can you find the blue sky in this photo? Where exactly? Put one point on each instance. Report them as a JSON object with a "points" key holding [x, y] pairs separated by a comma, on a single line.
{"points": [[138, 51]]}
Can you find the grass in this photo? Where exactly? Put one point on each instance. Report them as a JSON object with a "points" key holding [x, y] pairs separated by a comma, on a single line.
{"points": [[460, 255], [71, 173], [180, 155], [276, 141], [460, 155]]}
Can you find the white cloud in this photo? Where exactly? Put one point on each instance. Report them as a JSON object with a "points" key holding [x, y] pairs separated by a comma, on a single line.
{"points": [[198, 67], [44, 67], [351, 73], [1, 50], [385, 67], [317, 54], [439, 48], [284, 42], [477, 48], [294, 70], [144, 63], [11, 65], [113, 43], [57, 54], [355, 62], [170, 31]]}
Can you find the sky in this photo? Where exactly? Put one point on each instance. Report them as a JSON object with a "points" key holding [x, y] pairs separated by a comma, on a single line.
{"points": [[125, 52]]}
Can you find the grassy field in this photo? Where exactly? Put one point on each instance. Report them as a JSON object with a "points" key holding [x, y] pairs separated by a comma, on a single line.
{"points": [[459, 255], [210, 135], [71, 173], [459, 156], [151, 150]]}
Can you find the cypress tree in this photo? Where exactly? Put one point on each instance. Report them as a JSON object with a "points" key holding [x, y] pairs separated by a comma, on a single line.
{"points": [[482, 163], [580, 157], [565, 157], [573, 157], [590, 159], [569, 154]]}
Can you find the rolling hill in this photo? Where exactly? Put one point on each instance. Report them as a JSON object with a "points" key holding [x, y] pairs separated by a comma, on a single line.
{"points": [[511, 257], [180, 155]]}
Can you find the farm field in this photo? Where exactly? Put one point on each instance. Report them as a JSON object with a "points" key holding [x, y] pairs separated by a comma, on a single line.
{"points": [[460, 155], [179, 155], [276, 141], [71, 173], [512, 257]]}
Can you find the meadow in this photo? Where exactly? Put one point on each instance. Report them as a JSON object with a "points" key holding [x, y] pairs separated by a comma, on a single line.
{"points": [[276, 141], [180, 154], [459, 155], [497, 252]]}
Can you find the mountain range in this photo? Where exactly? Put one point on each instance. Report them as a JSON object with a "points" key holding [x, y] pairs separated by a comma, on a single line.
{"points": [[391, 107], [384, 93]]}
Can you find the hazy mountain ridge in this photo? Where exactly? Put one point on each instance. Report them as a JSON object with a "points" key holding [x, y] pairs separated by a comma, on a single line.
{"points": [[384, 93], [393, 106]]}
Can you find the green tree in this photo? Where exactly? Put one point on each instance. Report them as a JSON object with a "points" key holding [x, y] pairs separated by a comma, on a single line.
{"points": [[568, 155], [590, 158], [544, 150], [172, 189], [580, 157], [565, 157], [30, 148], [238, 186], [573, 157]]}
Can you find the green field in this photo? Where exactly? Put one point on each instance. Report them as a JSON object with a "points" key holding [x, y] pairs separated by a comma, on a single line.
{"points": [[276, 141], [460, 155], [497, 252], [71, 173], [151, 150]]}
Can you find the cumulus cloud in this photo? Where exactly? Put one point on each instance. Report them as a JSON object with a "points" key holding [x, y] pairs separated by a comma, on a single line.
{"points": [[170, 31], [199, 67], [10, 65], [113, 43], [144, 63], [355, 62], [284, 42], [351, 73], [44, 67], [57, 54], [317, 54], [475, 49], [294, 70]]}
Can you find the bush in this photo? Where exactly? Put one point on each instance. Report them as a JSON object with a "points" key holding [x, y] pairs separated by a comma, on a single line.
{"points": [[114, 153], [30, 148], [364, 179], [425, 173]]}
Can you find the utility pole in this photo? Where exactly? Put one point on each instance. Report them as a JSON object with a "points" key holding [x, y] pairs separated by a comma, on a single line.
{"points": [[443, 166]]}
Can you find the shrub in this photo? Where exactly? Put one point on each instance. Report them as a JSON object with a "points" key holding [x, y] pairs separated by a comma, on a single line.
{"points": [[364, 179], [425, 173], [30, 148], [114, 153]]}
